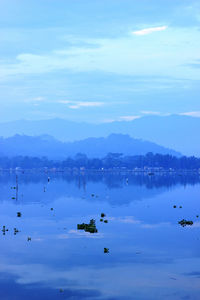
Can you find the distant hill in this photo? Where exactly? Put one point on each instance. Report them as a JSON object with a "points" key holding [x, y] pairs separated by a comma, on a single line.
{"points": [[93, 147], [176, 132]]}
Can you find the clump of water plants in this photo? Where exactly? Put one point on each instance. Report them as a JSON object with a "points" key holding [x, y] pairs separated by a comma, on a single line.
{"points": [[51, 208], [180, 206], [184, 223], [105, 221], [91, 227], [101, 220], [19, 214], [28, 238], [106, 250], [174, 206], [15, 231], [13, 198], [4, 230], [197, 216], [103, 215]]}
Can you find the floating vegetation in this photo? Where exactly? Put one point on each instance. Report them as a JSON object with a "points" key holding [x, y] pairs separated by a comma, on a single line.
{"points": [[197, 216], [19, 214], [185, 222], [180, 206], [92, 195], [15, 231], [13, 198], [103, 215], [91, 227], [61, 290], [101, 220], [106, 250], [28, 238], [48, 179], [51, 208], [174, 206], [13, 187], [105, 221], [4, 230]]}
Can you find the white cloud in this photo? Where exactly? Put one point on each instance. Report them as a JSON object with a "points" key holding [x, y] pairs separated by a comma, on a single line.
{"points": [[64, 101], [128, 118], [195, 114], [149, 30], [39, 99], [165, 56], [80, 104], [149, 112]]}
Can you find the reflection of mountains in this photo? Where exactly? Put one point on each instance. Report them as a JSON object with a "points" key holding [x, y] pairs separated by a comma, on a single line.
{"points": [[117, 189]]}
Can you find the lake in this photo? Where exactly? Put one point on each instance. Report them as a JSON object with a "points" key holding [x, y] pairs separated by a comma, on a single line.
{"points": [[140, 252]]}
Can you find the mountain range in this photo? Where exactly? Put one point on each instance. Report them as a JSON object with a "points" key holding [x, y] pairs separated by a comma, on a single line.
{"points": [[48, 146], [177, 132]]}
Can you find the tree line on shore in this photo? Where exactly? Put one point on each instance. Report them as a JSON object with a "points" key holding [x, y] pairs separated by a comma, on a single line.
{"points": [[110, 161]]}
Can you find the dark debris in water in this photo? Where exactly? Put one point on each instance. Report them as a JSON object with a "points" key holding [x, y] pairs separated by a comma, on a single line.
{"points": [[103, 215], [4, 230], [91, 227], [19, 214], [15, 231], [106, 250], [184, 223]]}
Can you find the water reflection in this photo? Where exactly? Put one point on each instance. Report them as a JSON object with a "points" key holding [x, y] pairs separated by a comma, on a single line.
{"points": [[121, 191], [44, 256]]}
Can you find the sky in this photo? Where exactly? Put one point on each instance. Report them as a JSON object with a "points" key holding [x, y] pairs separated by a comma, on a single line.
{"points": [[99, 60]]}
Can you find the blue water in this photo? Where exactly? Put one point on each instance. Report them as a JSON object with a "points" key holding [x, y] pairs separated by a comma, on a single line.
{"points": [[150, 255]]}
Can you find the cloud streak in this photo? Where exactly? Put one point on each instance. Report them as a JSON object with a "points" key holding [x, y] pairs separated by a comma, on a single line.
{"points": [[195, 114], [80, 104], [128, 118], [150, 30]]}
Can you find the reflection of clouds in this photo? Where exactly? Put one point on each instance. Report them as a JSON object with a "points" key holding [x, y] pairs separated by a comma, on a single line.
{"points": [[194, 273], [126, 219], [195, 225], [33, 273], [158, 225], [134, 278], [9, 289], [132, 220], [79, 233]]}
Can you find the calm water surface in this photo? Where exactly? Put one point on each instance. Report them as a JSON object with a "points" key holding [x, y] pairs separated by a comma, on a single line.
{"points": [[150, 255]]}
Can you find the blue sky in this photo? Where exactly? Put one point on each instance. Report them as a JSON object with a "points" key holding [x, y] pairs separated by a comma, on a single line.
{"points": [[99, 60]]}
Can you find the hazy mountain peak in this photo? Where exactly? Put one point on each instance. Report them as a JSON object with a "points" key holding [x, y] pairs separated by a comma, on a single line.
{"points": [[174, 131]]}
